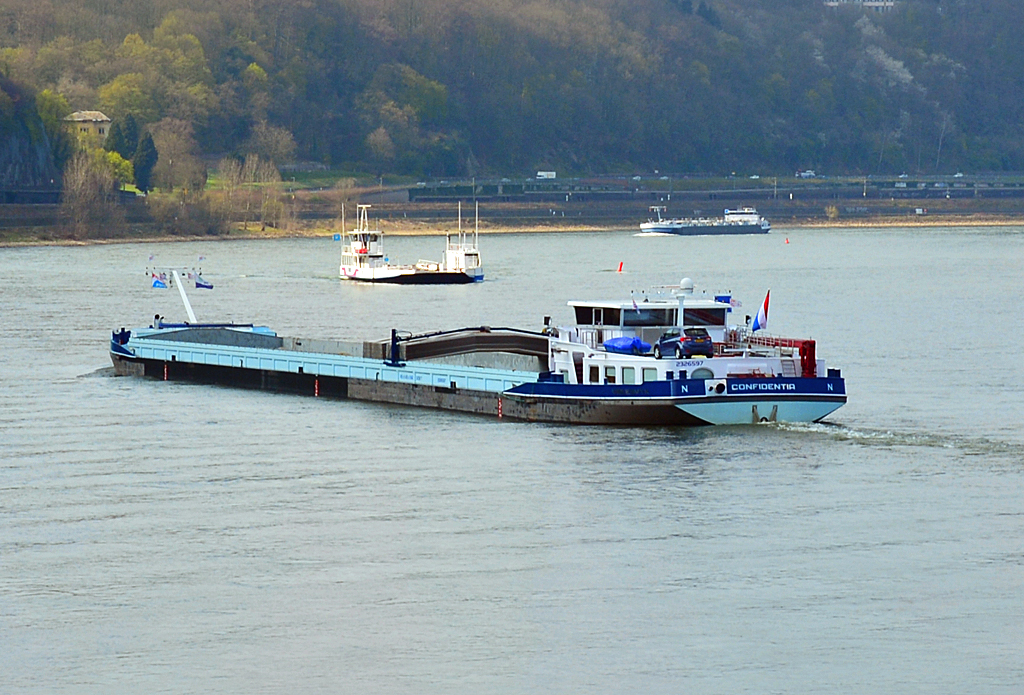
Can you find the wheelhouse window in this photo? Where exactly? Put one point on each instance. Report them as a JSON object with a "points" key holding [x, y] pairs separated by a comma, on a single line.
{"points": [[647, 316], [597, 316], [704, 317]]}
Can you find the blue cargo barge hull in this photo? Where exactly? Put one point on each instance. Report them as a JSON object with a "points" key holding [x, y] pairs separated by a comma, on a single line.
{"points": [[256, 357]]}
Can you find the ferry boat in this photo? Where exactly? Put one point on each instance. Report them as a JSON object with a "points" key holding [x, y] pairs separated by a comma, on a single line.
{"points": [[558, 374], [363, 258], [745, 220]]}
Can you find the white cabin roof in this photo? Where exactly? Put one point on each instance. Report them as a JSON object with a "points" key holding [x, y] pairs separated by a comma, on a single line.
{"points": [[658, 302]]}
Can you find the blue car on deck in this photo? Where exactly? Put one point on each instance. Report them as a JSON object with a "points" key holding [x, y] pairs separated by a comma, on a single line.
{"points": [[685, 342]]}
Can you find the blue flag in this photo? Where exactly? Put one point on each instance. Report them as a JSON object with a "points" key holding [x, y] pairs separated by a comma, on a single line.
{"points": [[158, 283]]}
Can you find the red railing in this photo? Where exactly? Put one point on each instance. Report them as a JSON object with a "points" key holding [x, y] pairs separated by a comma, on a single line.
{"points": [[807, 348]]}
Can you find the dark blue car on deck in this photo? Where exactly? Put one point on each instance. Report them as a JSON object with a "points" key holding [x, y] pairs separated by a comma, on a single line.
{"points": [[686, 342]]}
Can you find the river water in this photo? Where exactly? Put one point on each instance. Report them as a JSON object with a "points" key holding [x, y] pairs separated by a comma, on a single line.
{"points": [[170, 537]]}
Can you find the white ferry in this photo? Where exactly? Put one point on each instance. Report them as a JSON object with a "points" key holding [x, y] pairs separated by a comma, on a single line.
{"points": [[745, 220], [363, 258]]}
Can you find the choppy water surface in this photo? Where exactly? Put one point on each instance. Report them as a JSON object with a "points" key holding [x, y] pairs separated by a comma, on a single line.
{"points": [[169, 537]]}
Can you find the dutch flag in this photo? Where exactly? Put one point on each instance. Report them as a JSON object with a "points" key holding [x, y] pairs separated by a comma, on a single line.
{"points": [[761, 320]]}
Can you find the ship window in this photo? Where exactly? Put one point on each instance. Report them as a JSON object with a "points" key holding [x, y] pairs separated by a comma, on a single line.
{"points": [[628, 375], [595, 374], [611, 317], [703, 317], [646, 316], [702, 373], [650, 374], [584, 315], [609, 375]]}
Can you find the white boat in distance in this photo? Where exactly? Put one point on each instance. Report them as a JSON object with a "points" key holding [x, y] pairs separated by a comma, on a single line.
{"points": [[745, 220], [363, 259]]}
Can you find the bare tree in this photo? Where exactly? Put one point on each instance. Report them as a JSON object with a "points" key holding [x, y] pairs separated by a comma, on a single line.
{"points": [[271, 209], [270, 143], [945, 123], [88, 199], [230, 173], [260, 179], [179, 165]]}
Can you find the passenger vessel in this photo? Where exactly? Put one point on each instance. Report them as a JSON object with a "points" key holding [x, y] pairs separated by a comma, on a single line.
{"points": [[745, 220], [557, 374], [363, 258]]}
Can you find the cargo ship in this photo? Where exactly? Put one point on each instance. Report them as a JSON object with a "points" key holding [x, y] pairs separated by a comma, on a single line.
{"points": [[745, 220], [562, 374]]}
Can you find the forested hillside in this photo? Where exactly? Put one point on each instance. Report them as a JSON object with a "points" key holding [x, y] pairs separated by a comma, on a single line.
{"points": [[445, 88]]}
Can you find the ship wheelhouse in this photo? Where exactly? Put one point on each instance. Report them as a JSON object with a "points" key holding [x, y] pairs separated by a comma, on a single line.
{"points": [[578, 353], [647, 318]]}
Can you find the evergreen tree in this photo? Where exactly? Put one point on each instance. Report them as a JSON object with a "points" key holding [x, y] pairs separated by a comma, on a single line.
{"points": [[130, 131], [123, 136], [708, 14], [143, 162], [115, 139]]}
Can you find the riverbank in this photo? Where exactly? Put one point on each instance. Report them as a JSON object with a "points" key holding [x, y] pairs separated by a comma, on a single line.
{"points": [[411, 227]]}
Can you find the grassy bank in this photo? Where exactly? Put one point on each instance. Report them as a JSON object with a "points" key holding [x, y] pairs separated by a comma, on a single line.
{"points": [[37, 236]]}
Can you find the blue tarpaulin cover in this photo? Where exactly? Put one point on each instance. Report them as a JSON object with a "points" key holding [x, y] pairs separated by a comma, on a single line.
{"points": [[627, 345]]}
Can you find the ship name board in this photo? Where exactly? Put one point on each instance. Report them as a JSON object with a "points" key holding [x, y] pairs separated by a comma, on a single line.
{"points": [[763, 386]]}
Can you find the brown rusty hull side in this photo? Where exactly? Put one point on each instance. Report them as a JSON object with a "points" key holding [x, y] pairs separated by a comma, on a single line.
{"points": [[581, 411], [126, 367], [513, 407]]}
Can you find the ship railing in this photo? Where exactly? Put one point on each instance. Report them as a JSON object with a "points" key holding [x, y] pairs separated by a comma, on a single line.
{"points": [[805, 348]]}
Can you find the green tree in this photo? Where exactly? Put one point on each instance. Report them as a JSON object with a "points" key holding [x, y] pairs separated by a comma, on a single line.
{"points": [[53, 109], [143, 162], [121, 169], [123, 136], [130, 92], [115, 138], [130, 131]]}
